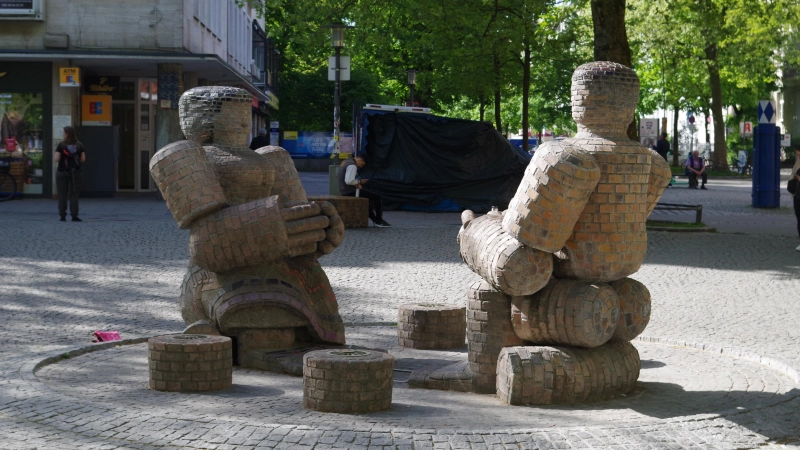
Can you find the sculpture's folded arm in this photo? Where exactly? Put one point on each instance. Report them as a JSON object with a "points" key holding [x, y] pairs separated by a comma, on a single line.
{"points": [[188, 181]]}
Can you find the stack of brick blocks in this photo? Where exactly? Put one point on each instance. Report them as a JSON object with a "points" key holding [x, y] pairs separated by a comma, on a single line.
{"points": [[250, 223], [347, 381], [431, 326], [579, 217], [489, 330], [354, 211], [190, 363]]}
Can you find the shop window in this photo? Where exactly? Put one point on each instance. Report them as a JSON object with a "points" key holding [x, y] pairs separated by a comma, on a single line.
{"points": [[21, 134]]}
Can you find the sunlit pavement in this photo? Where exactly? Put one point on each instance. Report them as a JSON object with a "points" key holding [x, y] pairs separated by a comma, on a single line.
{"points": [[720, 356]]}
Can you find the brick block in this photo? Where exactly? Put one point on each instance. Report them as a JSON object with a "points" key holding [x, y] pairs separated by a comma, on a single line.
{"points": [[431, 326], [347, 381], [489, 331], [565, 375], [354, 211], [173, 362]]}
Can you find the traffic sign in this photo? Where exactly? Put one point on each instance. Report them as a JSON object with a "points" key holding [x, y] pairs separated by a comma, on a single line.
{"points": [[344, 68], [746, 129], [767, 111]]}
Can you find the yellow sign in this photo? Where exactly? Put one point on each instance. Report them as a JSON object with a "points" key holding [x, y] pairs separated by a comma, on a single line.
{"points": [[96, 110], [290, 135], [70, 76]]}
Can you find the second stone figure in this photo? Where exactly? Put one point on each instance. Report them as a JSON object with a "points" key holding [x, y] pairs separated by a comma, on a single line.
{"points": [[553, 318]]}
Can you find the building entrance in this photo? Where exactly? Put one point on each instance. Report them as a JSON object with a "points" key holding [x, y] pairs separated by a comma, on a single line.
{"points": [[135, 117]]}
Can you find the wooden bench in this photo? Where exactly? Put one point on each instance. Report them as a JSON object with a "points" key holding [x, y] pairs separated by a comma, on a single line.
{"points": [[354, 211], [682, 207]]}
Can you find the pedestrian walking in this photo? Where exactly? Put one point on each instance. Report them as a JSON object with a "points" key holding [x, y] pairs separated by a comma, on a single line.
{"points": [[70, 157], [352, 186], [260, 141]]}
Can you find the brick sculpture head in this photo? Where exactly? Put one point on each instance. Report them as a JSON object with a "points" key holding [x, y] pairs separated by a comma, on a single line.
{"points": [[216, 114], [604, 98]]}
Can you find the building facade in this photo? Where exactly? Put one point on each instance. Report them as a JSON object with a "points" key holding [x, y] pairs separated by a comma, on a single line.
{"points": [[114, 69]]}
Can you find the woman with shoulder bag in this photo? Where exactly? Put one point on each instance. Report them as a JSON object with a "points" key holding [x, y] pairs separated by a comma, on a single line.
{"points": [[795, 194], [69, 156]]}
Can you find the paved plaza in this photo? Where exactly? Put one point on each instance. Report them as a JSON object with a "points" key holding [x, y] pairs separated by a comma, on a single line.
{"points": [[720, 357]]}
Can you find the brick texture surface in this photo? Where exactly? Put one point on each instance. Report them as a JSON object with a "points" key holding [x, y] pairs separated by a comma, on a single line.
{"points": [[190, 363], [556, 185], [559, 375], [188, 182], [489, 329], [609, 241], [287, 183], [347, 381], [501, 260], [634, 308], [568, 312], [354, 211], [431, 326], [254, 236]]}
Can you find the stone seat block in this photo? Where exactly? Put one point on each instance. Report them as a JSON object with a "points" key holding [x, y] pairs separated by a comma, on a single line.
{"points": [[354, 211], [347, 380], [190, 363]]}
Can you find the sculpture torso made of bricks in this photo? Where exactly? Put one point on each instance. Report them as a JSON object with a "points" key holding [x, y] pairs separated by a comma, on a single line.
{"points": [[606, 239], [255, 238]]}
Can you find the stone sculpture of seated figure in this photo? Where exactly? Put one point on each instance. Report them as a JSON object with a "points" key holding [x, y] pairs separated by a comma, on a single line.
{"points": [[254, 237], [555, 264]]}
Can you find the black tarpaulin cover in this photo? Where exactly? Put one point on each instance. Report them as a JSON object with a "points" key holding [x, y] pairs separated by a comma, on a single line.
{"points": [[428, 163]]}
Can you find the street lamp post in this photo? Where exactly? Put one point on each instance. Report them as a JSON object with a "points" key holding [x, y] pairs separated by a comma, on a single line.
{"points": [[412, 81], [337, 42]]}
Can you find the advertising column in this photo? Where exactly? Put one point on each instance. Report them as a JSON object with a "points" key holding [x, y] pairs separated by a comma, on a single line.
{"points": [[766, 158]]}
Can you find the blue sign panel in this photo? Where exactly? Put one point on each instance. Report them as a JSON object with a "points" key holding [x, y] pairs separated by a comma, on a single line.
{"points": [[316, 144]]}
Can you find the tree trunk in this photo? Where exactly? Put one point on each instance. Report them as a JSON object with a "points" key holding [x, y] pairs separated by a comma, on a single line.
{"points": [[497, 120], [720, 148], [611, 40], [482, 107], [675, 148], [526, 89]]}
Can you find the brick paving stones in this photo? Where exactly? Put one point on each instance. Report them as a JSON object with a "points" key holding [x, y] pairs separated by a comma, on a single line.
{"points": [[733, 294]]}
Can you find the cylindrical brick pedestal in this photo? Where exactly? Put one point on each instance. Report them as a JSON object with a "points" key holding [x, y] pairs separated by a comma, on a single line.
{"points": [[347, 381], [558, 375], [190, 363], [430, 326], [489, 329]]}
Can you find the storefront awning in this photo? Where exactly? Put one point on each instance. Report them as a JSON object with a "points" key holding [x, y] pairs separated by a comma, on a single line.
{"points": [[142, 64]]}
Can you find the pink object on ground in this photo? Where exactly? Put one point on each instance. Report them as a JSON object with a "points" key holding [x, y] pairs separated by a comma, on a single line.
{"points": [[105, 336]]}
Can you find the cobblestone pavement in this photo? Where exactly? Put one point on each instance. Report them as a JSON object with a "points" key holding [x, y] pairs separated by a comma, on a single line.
{"points": [[720, 360]]}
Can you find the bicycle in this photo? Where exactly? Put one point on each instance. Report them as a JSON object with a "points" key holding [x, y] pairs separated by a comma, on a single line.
{"points": [[8, 185]]}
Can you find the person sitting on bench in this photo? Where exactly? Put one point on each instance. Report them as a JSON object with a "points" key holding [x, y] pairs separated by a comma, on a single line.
{"points": [[695, 166]]}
